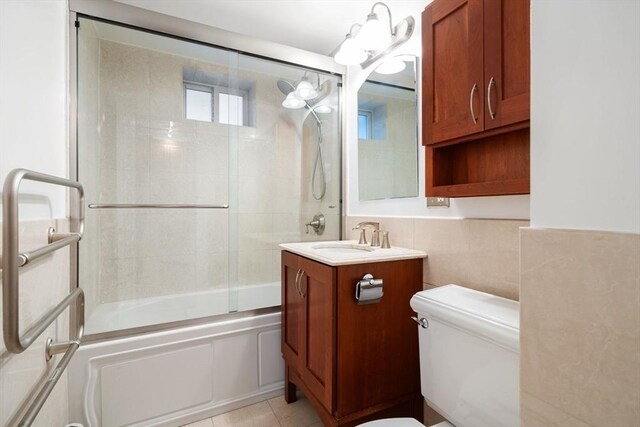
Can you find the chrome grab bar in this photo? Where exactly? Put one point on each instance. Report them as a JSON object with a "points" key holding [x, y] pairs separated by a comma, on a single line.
{"points": [[11, 262], [154, 206]]}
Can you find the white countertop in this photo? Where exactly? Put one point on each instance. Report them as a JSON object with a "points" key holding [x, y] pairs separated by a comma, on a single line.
{"points": [[344, 253]]}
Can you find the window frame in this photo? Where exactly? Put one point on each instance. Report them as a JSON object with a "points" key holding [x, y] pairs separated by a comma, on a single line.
{"points": [[215, 91]]}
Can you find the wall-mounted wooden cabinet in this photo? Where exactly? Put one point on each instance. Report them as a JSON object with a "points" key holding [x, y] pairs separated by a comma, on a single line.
{"points": [[476, 97], [354, 362]]}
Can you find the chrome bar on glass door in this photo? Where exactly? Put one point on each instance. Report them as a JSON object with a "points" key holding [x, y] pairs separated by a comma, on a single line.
{"points": [[154, 206]]}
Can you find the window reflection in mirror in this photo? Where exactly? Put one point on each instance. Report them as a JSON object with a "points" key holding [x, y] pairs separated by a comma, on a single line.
{"points": [[387, 134]]}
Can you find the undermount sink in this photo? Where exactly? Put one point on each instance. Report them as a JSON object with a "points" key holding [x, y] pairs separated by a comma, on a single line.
{"points": [[338, 248]]}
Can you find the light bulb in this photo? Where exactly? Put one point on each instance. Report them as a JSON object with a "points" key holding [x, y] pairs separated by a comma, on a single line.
{"points": [[374, 35], [350, 53], [293, 102], [305, 90], [390, 66]]}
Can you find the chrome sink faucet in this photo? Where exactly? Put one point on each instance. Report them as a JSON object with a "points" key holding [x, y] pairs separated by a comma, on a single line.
{"points": [[375, 231]]}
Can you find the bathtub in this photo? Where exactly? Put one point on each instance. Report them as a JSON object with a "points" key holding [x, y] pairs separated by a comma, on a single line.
{"points": [[177, 376], [171, 308]]}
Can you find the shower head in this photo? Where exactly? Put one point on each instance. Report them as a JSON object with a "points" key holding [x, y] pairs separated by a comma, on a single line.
{"points": [[286, 87]]}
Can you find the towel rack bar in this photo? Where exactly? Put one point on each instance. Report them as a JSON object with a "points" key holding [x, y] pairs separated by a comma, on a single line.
{"points": [[154, 206], [25, 258], [12, 260], [47, 388]]}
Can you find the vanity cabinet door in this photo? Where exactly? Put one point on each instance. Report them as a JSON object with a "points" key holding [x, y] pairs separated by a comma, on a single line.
{"points": [[453, 103], [293, 313], [308, 324], [317, 285]]}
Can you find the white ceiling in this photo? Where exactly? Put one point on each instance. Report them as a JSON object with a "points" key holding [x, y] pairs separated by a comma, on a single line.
{"points": [[314, 25]]}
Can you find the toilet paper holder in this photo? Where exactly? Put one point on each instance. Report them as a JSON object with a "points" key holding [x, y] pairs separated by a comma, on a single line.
{"points": [[369, 290]]}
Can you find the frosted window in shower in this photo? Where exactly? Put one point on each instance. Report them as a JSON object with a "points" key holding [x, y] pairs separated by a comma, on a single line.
{"points": [[231, 108], [198, 105]]}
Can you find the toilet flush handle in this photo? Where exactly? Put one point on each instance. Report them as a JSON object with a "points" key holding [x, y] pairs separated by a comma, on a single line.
{"points": [[421, 321]]}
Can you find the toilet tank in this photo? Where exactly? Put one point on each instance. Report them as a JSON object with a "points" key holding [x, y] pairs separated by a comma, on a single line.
{"points": [[469, 356]]}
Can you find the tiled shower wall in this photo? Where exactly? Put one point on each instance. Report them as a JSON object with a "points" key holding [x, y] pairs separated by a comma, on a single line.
{"points": [[144, 151], [476, 253]]}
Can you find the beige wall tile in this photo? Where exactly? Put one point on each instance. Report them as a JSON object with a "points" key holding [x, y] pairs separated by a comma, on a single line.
{"points": [[479, 254], [580, 326]]}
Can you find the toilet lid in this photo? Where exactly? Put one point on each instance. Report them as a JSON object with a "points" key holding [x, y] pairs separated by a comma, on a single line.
{"points": [[393, 422]]}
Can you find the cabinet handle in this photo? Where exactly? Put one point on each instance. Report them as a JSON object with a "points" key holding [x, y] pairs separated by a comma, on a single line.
{"points": [[492, 83], [298, 276], [303, 294], [474, 89]]}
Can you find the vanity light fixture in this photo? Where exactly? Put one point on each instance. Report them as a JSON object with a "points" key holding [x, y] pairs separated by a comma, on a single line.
{"points": [[374, 40], [350, 52], [374, 34]]}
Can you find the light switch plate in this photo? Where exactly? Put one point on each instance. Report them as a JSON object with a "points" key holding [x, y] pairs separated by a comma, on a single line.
{"points": [[437, 202]]}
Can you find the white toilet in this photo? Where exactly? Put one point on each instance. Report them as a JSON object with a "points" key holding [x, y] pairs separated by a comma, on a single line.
{"points": [[469, 358]]}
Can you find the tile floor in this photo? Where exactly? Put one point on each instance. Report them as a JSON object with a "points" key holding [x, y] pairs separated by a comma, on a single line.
{"points": [[270, 413]]}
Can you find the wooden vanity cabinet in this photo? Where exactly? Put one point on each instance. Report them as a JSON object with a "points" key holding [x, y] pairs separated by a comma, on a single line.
{"points": [[354, 362], [476, 67]]}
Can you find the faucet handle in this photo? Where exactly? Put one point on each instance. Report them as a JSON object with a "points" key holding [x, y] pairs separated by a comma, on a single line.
{"points": [[385, 240], [363, 236]]}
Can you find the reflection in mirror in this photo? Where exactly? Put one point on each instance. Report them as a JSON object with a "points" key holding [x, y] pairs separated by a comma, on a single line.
{"points": [[387, 134]]}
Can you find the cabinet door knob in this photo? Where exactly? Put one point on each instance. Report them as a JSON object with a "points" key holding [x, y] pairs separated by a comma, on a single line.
{"points": [[302, 293], [474, 89], [492, 83]]}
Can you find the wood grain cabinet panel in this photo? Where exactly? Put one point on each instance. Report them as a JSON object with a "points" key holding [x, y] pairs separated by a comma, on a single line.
{"points": [[506, 62], [453, 78], [354, 362], [477, 145]]}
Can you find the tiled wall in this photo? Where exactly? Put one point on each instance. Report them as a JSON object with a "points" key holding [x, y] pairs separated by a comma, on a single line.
{"points": [[42, 285], [579, 328], [475, 253]]}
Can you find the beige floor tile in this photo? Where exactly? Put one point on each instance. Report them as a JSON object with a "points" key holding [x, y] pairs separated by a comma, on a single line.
{"points": [[201, 423], [298, 414], [258, 415]]}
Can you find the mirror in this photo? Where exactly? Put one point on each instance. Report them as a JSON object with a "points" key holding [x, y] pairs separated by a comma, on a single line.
{"points": [[388, 133]]}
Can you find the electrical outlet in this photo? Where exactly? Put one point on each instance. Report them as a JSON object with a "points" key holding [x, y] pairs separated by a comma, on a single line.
{"points": [[437, 202]]}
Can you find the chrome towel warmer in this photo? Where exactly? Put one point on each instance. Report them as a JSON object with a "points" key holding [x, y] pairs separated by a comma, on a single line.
{"points": [[12, 260]]}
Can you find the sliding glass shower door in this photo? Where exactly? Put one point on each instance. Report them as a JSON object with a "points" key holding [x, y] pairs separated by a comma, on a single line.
{"points": [[194, 173]]}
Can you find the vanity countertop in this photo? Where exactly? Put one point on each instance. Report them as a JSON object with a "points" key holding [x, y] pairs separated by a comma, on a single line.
{"points": [[345, 252]]}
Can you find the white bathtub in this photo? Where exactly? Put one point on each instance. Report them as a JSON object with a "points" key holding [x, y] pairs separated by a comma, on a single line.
{"points": [[176, 376], [170, 308]]}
